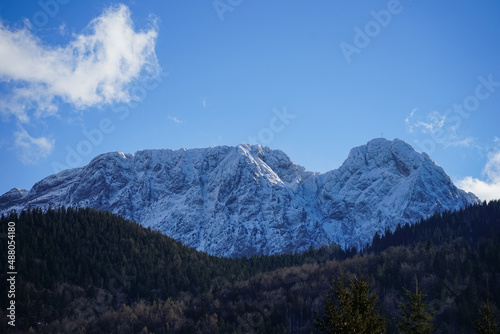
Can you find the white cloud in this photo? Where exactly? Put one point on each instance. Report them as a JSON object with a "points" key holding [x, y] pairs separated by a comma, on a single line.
{"points": [[410, 116], [175, 119], [31, 150], [454, 140], [492, 168], [489, 189], [443, 129], [96, 68], [434, 121]]}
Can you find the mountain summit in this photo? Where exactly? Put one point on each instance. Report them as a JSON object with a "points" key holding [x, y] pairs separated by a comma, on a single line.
{"points": [[249, 199]]}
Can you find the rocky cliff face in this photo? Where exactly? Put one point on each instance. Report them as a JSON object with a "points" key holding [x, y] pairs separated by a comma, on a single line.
{"points": [[233, 201]]}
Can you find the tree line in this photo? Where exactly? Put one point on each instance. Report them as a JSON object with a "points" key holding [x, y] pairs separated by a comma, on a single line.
{"points": [[82, 270]]}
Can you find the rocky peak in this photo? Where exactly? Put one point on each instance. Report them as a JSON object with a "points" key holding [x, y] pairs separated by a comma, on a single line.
{"points": [[250, 199]]}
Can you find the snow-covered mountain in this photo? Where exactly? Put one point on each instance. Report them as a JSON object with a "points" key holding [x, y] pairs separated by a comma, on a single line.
{"points": [[233, 201]]}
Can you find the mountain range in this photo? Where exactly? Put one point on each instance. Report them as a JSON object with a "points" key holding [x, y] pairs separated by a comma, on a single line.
{"points": [[250, 199]]}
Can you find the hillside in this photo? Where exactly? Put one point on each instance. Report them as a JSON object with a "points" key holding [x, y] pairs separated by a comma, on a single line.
{"points": [[79, 268]]}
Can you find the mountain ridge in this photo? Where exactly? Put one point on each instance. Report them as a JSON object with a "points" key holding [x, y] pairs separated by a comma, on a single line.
{"points": [[250, 199]]}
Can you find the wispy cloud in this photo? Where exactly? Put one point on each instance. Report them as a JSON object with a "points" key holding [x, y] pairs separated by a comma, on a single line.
{"points": [[410, 116], [442, 128], [455, 141], [96, 68], [489, 189], [175, 119], [434, 121], [31, 150]]}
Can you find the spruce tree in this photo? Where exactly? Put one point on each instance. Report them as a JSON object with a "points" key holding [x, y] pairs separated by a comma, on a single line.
{"points": [[353, 311], [487, 322], [416, 318]]}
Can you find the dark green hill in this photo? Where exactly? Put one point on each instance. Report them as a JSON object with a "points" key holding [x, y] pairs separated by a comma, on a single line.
{"points": [[80, 268]]}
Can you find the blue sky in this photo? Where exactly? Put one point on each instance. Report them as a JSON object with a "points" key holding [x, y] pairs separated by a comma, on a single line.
{"points": [[312, 78]]}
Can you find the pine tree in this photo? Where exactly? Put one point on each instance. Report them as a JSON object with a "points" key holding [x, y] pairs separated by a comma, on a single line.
{"points": [[354, 310], [487, 322], [417, 317]]}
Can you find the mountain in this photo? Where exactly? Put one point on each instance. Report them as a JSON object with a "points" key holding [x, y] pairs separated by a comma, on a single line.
{"points": [[249, 199]]}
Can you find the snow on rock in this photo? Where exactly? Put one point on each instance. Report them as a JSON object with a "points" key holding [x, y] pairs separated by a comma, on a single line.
{"points": [[245, 200]]}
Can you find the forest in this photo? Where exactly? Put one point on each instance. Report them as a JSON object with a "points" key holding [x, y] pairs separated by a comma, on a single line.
{"points": [[88, 271]]}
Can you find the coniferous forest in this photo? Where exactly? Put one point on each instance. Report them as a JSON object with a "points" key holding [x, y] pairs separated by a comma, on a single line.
{"points": [[87, 271]]}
